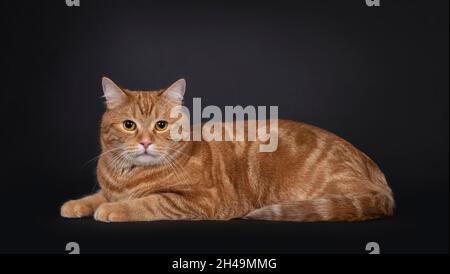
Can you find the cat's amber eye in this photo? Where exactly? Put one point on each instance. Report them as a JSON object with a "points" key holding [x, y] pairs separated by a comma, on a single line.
{"points": [[129, 125], [161, 125]]}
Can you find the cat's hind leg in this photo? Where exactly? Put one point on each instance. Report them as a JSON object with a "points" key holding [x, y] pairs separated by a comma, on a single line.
{"points": [[82, 207]]}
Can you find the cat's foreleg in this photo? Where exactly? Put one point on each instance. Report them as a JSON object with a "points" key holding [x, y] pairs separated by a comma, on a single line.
{"points": [[165, 206], [82, 207]]}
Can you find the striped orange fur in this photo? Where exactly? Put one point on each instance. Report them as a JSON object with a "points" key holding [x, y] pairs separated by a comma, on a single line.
{"points": [[312, 176]]}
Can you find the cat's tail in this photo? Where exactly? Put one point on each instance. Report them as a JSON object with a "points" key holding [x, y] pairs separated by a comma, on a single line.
{"points": [[332, 208]]}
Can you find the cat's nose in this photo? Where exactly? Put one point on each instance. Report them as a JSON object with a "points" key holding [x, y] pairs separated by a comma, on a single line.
{"points": [[145, 143]]}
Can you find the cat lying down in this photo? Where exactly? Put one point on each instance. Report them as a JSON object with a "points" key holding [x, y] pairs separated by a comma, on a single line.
{"points": [[146, 175]]}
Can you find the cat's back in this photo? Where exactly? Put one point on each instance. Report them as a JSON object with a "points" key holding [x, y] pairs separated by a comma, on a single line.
{"points": [[315, 142], [295, 146], [320, 154]]}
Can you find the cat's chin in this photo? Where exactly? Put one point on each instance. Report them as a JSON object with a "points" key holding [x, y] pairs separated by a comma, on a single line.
{"points": [[146, 160]]}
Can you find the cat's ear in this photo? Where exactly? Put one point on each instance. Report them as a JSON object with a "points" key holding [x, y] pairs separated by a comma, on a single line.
{"points": [[113, 94], [176, 91]]}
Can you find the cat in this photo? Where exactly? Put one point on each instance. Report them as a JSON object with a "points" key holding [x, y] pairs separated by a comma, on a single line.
{"points": [[145, 175]]}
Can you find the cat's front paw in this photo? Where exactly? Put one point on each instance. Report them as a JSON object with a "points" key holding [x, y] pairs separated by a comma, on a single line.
{"points": [[112, 212], [76, 209]]}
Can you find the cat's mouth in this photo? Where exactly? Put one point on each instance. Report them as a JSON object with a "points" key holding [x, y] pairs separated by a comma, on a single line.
{"points": [[147, 154], [146, 158]]}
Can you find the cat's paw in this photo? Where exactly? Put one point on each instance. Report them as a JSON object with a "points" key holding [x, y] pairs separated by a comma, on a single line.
{"points": [[76, 209], [112, 212]]}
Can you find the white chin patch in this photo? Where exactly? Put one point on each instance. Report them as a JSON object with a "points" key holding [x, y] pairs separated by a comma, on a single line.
{"points": [[145, 159]]}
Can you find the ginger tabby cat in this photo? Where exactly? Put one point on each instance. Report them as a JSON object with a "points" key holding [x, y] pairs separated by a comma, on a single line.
{"points": [[144, 175]]}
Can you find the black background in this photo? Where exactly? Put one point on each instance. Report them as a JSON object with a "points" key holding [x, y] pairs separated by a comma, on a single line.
{"points": [[377, 77]]}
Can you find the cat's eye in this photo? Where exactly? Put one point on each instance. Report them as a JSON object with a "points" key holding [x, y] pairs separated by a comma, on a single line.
{"points": [[129, 125], [161, 125]]}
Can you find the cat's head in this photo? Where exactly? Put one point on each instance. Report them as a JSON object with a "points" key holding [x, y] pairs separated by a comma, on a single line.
{"points": [[136, 125]]}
